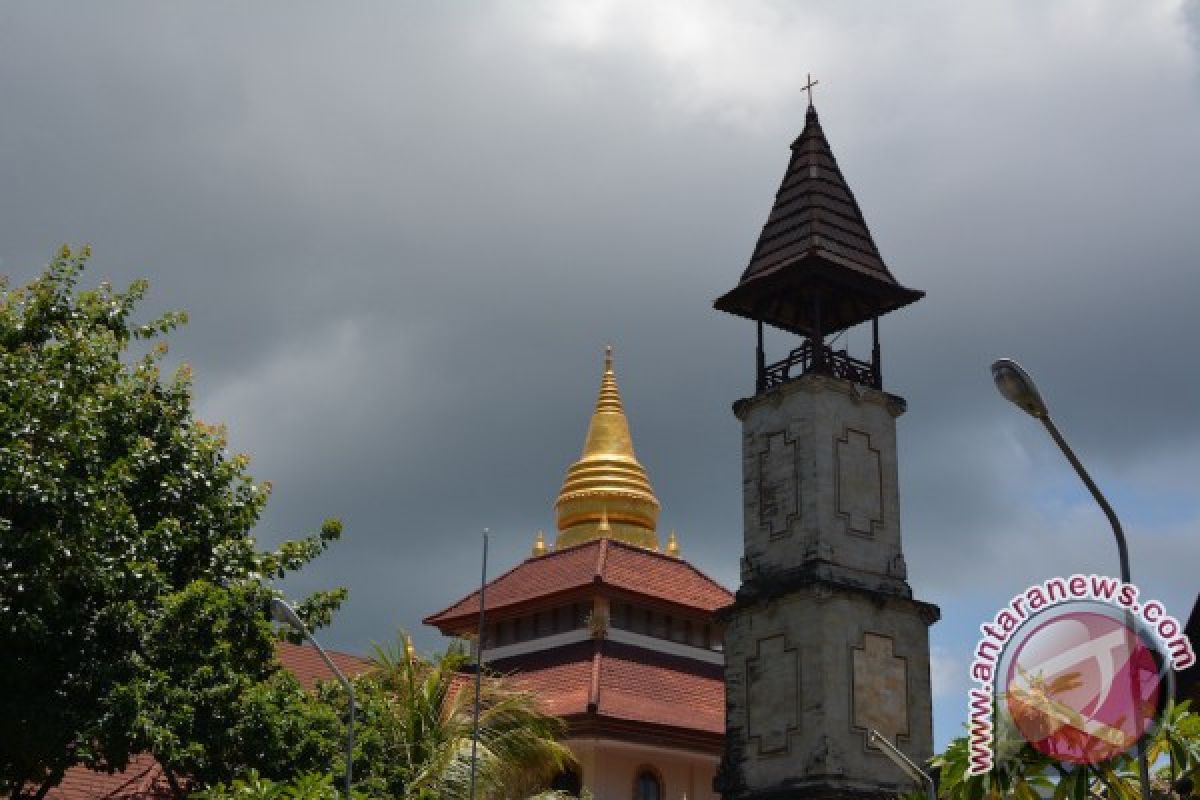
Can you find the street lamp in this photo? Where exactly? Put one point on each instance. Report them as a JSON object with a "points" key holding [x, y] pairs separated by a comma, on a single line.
{"points": [[1018, 387], [282, 612], [902, 761]]}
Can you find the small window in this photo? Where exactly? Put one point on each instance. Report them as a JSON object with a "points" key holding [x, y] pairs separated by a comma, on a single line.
{"points": [[621, 617], [647, 786]]}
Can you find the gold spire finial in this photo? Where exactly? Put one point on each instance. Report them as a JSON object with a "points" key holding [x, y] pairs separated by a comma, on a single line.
{"points": [[539, 544], [606, 492], [673, 545]]}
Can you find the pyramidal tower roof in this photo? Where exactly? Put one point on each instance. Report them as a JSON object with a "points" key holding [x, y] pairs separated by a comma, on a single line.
{"points": [[815, 241]]}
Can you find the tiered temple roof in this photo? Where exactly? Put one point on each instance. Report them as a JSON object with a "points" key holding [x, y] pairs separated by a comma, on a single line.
{"points": [[642, 663]]}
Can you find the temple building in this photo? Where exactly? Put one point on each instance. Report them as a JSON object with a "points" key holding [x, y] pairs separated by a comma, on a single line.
{"points": [[615, 634]]}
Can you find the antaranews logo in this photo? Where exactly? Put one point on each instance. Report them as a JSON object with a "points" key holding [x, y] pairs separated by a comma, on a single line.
{"points": [[1077, 666]]}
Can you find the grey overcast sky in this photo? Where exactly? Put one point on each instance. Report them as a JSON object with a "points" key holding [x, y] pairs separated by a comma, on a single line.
{"points": [[404, 233]]}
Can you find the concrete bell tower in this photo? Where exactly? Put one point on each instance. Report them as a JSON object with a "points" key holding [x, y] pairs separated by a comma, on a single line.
{"points": [[824, 640]]}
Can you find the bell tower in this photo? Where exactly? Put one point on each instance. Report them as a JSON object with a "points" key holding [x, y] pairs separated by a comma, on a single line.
{"points": [[824, 641]]}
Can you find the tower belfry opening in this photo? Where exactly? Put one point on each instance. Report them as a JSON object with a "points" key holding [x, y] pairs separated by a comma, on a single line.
{"points": [[816, 271]]}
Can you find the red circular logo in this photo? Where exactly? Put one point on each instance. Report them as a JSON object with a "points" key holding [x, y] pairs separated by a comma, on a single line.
{"points": [[1082, 686]]}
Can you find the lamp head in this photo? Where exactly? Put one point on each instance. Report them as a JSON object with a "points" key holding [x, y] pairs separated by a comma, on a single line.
{"points": [[282, 612], [1018, 388]]}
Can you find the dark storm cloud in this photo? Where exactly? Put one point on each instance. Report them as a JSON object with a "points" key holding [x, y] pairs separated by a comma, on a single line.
{"points": [[404, 234]]}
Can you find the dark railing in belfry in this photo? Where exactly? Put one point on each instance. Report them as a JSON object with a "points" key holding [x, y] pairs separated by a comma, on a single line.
{"points": [[820, 360]]}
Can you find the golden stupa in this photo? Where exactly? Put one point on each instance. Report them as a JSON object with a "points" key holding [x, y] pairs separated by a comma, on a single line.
{"points": [[606, 493]]}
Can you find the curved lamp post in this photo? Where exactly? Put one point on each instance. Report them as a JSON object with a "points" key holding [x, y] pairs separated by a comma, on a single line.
{"points": [[282, 612], [902, 761], [1018, 387]]}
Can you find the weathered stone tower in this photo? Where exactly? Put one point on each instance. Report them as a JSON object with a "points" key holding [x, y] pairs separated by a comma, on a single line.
{"points": [[824, 641]]}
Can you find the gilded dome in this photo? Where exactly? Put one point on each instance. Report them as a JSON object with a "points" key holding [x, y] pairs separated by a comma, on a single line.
{"points": [[606, 493]]}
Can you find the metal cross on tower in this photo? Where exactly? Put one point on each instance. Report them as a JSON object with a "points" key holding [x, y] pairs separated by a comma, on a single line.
{"points": [[808, 87]]}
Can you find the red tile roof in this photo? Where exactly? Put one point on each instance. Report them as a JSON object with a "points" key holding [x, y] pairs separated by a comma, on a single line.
{"points": [[603, 561], [144, 779], [661, 692], [305, 663], [621, 682], [561, 678]]}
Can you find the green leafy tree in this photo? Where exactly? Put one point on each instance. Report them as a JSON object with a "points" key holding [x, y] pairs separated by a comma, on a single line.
{"points": [[1027, 774], [1176, 745], [309, 786], [132, 593], [413, 737], [214, 700]]}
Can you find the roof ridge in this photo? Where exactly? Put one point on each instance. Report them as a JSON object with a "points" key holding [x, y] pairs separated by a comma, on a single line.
{"points": [[154, 772], [673, 560], [137, 780], [602, 558], [475, 593]]}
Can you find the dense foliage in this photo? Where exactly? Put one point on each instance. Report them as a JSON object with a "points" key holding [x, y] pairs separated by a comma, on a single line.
{"points": [[1173, 749], [413, 737], [423, 714], [252, 786], [132, 593]]}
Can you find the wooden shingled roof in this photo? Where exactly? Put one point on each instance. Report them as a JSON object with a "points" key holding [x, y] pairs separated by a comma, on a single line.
{"points": [[815, 240]]}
